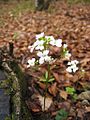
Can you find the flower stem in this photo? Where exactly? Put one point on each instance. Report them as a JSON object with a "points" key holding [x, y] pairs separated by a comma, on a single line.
{"points": [[46, 88]]}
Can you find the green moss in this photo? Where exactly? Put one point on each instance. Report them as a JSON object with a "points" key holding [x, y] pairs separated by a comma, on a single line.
{"points": [[78, 1], [18, 98], [23, 7]]}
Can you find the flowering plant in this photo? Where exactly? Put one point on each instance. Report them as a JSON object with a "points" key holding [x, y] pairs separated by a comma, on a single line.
{"points": [[43, 54]]}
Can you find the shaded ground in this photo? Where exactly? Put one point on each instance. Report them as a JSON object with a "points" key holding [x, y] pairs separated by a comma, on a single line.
{"points": [[72, 24]]}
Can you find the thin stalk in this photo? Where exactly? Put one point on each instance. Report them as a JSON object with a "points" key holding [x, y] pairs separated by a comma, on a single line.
{"points": [[45, 94], [46, 86]]}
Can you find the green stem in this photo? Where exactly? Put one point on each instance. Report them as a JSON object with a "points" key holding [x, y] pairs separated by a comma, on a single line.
{"points": [[45, 94], [46, 89]]}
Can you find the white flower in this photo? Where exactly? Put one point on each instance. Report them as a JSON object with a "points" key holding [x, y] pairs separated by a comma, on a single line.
{"points": [[73, 62], [72, 66], [39, 47], [41, 60], [40, 42], [31, 48], [48, 58], [31, 62], [53, 42], [43, 54], [39, 54], [40, 35], [65, 46], [58, 42], [76, 62], [69, 70], [50, 38], [75, 69]]}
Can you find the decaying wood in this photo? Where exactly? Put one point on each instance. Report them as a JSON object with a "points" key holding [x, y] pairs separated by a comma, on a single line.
{"points": [[17, 96]]}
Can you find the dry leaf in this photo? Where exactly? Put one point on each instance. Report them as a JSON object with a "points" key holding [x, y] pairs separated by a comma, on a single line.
{"points": [[57, 77], [42, 85], [53, 89], [63, 94], [87, 109], [48, 102]]}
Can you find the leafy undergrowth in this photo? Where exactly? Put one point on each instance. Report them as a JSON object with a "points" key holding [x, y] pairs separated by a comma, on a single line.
{"points": [[68, 96]]}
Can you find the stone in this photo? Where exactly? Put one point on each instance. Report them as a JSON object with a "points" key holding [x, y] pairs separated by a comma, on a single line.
{"points": [[4, 100]]}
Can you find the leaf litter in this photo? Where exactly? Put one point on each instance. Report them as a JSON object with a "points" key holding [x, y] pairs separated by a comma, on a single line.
{"points": [[72, 24]]}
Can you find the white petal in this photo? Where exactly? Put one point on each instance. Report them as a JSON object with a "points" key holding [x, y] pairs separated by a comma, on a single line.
{"points": [[48, 58], [41, 47], [36, 43], [65, 46], [69, 63], [53, 42], [45, 52], [31, 62], [76, 62], [41, 60], [75, 69], [39, 54], [69, 70], [40, 35], [59, 42], [73, 66], [31, 50], [29, 47], [33, 59]]}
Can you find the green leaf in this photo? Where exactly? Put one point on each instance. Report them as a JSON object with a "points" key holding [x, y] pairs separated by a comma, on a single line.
{"points": [[70, 90], [46, 75], [51, 80], [43, 80], [75, 96], [61, 115]]}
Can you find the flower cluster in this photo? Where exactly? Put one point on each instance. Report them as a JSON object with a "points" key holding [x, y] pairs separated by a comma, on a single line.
{"points": [[43, 41], [41, 45], [72, 66], [44, 57]]}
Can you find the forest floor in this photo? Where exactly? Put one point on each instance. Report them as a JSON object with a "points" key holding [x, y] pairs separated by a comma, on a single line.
{"points": [[71, 23]]}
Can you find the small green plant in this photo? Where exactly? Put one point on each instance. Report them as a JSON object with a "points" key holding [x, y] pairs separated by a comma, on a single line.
{"points": [[71, 91], [43, 56], [12, 117], [61, 115], [46, 79]]}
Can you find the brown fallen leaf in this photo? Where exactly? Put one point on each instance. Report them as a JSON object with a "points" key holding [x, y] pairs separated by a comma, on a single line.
{"points": [[33, 106], [87, 109], [42, 85], [63, 94], [53, 89], [57, 77], [48, 102]]}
